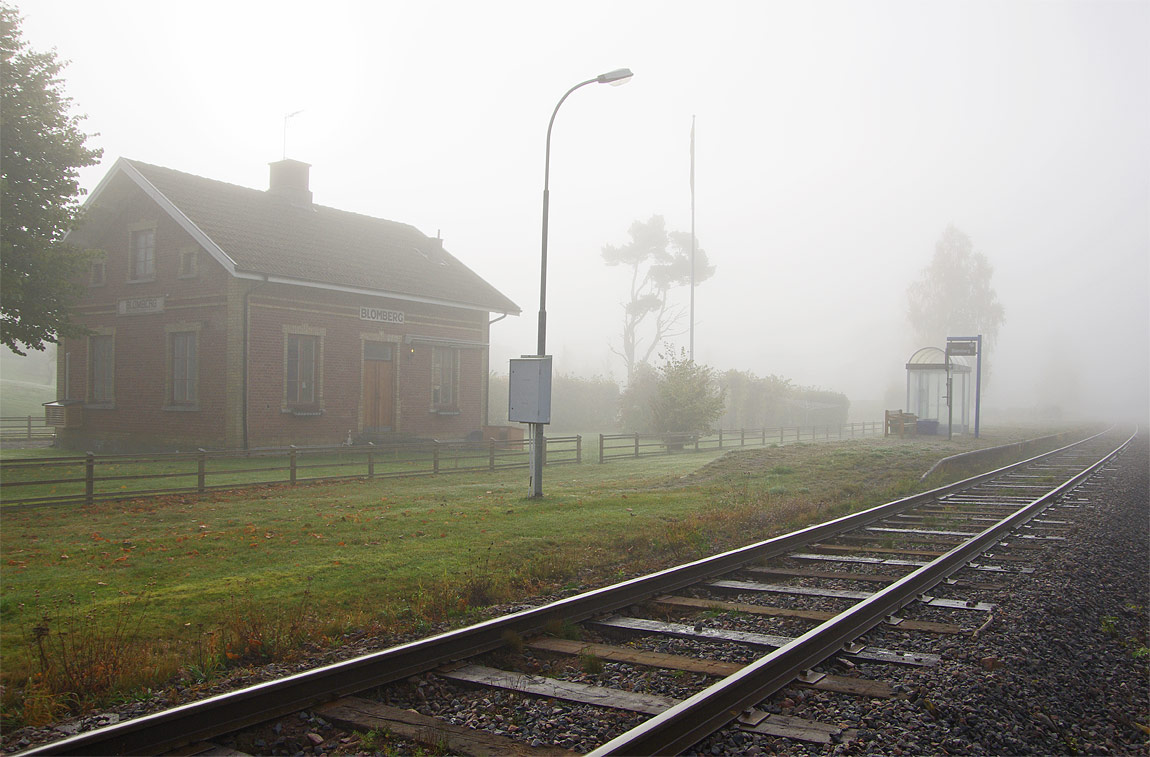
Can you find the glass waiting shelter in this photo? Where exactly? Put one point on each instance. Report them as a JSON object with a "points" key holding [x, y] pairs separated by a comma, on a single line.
{"points": [[926, 373]]}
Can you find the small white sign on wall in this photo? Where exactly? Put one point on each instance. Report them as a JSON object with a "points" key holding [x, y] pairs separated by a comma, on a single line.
{"points": [[141, 305], [529, 386], [380, 315]]}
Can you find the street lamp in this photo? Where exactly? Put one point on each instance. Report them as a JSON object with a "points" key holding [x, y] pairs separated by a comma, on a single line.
{"points": [[614, 78]]}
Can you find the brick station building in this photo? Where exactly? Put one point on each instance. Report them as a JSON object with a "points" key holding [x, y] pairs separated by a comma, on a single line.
{"points": [[228, 317]]}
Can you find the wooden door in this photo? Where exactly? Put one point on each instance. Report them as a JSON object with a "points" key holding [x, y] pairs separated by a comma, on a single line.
{"points": [[378, 387]]}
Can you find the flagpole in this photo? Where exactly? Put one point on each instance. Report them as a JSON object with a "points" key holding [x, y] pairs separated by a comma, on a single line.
{"points": [[692, 238]]}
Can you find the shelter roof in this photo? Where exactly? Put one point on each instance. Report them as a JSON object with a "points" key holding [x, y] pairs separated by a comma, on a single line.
{"points": [[934, 358]]}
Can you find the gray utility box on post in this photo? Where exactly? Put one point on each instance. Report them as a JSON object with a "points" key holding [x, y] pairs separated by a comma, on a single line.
{"points": [[529, 386]]}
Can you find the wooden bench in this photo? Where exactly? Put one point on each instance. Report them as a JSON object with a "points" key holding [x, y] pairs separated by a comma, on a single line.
{"points": [[899, 423]]}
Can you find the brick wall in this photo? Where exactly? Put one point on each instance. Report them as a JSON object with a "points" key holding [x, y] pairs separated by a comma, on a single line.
{"points": [[276, 310], [214, 305], [137, 418]]}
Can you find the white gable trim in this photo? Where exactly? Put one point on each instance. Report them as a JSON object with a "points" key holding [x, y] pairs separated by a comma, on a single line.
{"points": [[122, 165], [177, 215], [213, 249], [369, 292]]}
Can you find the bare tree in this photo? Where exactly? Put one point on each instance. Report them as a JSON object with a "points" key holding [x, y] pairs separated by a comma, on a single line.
{"points": [[659, 261]]}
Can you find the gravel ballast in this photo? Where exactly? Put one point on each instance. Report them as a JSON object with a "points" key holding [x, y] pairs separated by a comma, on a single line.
{"points": [[1061, 669]]}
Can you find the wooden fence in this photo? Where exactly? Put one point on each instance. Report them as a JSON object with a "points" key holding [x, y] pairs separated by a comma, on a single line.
{"points": [[91, 478], [27, 427], [619, 446]]}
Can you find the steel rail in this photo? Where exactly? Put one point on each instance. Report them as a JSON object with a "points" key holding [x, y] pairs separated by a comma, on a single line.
{"points": [[204, 719], [695, 718]]}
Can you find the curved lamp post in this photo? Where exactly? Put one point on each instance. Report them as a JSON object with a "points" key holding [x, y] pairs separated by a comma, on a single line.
{"points": [[615, 78]]}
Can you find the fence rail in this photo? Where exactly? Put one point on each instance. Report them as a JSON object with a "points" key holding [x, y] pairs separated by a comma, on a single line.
{"points": [[94, 478], [620, 446], [91, 478], [25, 427]]}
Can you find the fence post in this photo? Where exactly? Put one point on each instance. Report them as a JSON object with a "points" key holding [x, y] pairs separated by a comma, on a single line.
{"points": [[720, 437], [435, 456], [29, 428], [782, 431], [491, 454], [764, 430], [579, 448], [291, 464], [827, 433], [371, 459], [636, 444], [696, 438], [201, 466], [600, 448], [89, 477], [742, 437]]}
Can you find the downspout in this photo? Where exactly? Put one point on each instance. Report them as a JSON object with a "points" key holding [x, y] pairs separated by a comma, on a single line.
{"points": [[486, 415], [247, 348]]}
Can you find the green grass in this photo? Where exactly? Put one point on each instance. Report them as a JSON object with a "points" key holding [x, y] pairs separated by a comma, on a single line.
{"points": [[25, 469], [20, 398], [194, 584]]}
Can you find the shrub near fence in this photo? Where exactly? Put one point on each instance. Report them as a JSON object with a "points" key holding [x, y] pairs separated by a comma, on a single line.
{"points": [[25, 427], [91, 478], [618, 446]]}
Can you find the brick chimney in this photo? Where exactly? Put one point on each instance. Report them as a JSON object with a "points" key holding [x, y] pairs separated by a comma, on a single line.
{"points": [[289, 180]]}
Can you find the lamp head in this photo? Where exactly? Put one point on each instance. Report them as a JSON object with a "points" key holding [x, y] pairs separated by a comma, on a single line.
{"points": [[615, 78]]}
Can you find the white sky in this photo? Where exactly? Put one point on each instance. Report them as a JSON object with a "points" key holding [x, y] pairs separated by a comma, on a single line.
{"points": [[835, 143]]}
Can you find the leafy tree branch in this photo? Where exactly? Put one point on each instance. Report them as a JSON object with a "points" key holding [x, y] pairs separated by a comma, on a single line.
{"points": [[42, 148]]}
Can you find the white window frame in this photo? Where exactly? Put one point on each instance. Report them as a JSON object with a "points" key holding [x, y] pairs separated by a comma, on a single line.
{"points": [[177, 363], [444, 375], [313, 403], [98, 265], [101, 389], [135, 233], [189, 263]]}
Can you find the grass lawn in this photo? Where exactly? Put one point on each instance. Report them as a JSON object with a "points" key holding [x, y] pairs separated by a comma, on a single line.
{"points": [[23, 398], [119, 476], [100, 601]]}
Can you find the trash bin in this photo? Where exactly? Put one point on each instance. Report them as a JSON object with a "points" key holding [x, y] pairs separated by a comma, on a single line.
{"points": [[927, 427]]}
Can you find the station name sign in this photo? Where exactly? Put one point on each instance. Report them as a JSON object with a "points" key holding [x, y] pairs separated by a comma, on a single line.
{"points": [[141, 305], [380, 316], [962, 348]]}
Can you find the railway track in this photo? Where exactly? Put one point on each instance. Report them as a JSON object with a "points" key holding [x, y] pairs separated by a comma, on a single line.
{"points": [[656, 664]]}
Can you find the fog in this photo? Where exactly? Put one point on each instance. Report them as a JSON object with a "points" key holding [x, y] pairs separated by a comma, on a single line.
{"points": [[835, 142]]}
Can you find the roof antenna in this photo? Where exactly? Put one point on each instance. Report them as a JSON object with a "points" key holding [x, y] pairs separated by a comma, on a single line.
{"points": [[289, 115]]}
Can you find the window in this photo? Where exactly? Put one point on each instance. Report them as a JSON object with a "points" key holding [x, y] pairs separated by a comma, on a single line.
{"points": [[184, 368], [188, 262], [143, 254], [101, 369], [376, 351], [300, 371], [443, 378], [97, 273]]}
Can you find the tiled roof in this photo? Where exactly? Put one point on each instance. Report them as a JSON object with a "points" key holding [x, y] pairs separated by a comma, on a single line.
{"points": [[266, 235]]}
